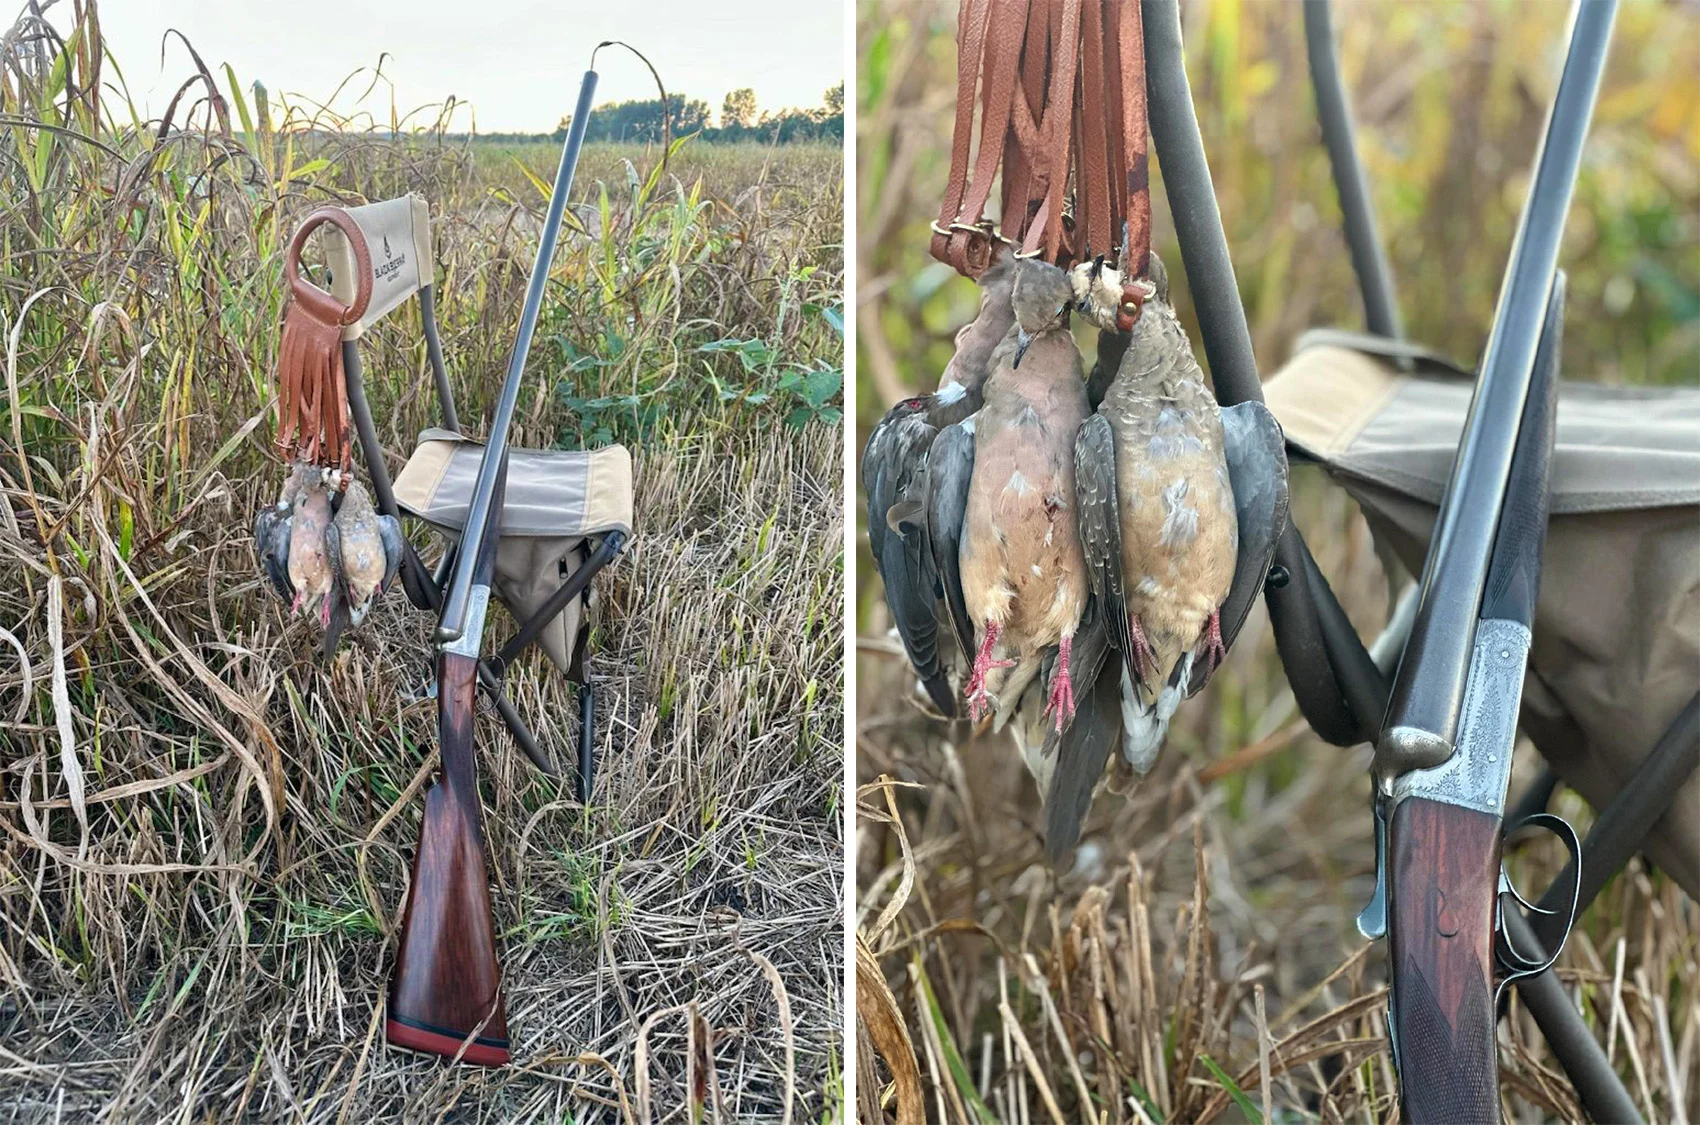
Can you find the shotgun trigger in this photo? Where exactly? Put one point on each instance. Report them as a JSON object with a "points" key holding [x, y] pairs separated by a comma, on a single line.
{"points": [[1372, 919], [424, 689], [1513, 961]]}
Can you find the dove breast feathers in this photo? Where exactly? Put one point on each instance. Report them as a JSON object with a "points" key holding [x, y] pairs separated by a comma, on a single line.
{"points": [[309, 570], [1022, 564]]}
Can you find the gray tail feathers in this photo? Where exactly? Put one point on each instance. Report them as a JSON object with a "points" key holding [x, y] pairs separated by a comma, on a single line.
{"points": [[340, 620], [939, 691], [1147, 723], [1084, 748]]}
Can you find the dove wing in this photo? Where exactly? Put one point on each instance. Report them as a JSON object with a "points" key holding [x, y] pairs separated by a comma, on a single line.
{"points": [[882, 471], [1257, 471], [339, 620], [1098, 510], [333, 556], [893, 475], [271, 543], [950, 466]]}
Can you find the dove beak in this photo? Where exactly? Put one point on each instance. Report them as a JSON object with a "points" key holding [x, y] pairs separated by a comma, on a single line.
{"points": [[1023, 339]]}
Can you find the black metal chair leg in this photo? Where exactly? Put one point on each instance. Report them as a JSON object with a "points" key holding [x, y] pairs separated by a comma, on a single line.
{"points": [[1369, 260], [1574, 1045], [1622, 825], [523, 738], [434, 352], [586, 741]]}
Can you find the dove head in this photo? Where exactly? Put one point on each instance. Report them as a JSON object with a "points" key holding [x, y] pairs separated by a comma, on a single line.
{"points": [[301, 476], [1042, 297], [1106, 297], [355, 501]]}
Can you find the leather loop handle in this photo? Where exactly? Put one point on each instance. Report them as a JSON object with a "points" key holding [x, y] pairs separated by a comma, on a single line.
{"points": [[320, 304]]}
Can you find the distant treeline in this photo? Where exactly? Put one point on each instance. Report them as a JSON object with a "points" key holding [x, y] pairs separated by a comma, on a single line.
{"points": [[641, 121]]}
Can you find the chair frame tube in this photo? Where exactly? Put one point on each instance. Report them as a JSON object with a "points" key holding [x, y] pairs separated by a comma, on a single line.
{"points": [[434, 352], [1369, 261]]}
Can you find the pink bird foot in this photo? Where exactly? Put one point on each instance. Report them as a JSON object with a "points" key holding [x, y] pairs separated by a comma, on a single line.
{"points": [[1213, 646], [1144, 656], [1062, 687], [295, 606], [325, 612], [979, 699]]}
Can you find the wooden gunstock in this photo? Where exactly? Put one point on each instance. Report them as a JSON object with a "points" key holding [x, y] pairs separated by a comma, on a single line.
{"points": [[447, 985], [1442, 885]]}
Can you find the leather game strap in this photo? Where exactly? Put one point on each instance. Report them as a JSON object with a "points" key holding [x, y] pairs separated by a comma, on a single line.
{"points": [[312, 396], [1083, 65]]}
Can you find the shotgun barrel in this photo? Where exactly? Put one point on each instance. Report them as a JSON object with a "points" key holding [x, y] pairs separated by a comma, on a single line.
{"points": [[481, 513], [1420, 726]]}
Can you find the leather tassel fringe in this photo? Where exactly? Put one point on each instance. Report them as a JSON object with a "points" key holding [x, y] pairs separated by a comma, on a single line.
{"points": [[312, 403]]}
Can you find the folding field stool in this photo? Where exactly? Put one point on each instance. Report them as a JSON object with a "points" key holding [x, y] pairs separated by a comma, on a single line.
{"points": [[564, 516]]}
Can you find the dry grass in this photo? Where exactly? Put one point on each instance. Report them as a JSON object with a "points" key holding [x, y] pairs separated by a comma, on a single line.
{"points": [[1210, 917], [214, 944]]}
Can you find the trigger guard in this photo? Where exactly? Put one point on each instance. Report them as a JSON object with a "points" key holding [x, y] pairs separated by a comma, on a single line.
{"points": [[1518, 966]]}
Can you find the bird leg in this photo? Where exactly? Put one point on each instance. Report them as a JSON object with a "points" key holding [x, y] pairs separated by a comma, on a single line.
{"points": [[1062, 687], [979, 700], [1213, 646], [1144, 656]]}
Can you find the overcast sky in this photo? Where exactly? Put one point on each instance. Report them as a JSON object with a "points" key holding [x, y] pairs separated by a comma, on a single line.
{"points": [[517, 62]]}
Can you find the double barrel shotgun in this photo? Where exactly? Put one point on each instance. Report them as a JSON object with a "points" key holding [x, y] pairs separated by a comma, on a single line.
{"points": [[445, 995]]}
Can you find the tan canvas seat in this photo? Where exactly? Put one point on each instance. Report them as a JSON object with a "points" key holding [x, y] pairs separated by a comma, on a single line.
{"points": [[555, 500], [1617, 629]]}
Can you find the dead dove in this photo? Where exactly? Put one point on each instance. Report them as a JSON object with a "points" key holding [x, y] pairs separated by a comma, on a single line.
{"points": [[364, 551], [309, 569], [1157, 517], [1000, 508], [894, 466]]}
